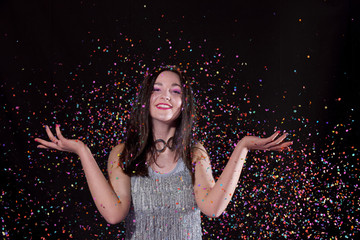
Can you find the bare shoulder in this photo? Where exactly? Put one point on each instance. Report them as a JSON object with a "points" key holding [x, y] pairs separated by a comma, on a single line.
{"points": [[115, 155], [119, 181], [199, 153], [203, 169]]}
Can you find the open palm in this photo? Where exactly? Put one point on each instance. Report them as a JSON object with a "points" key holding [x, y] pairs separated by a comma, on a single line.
{"points": [[272, 143], [60, 142]]}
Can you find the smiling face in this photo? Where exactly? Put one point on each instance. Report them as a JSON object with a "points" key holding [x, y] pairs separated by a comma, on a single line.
{"points": [[166, 98]]}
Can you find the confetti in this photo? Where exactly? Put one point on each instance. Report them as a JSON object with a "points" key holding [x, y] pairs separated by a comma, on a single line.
{"points": [[311, 191]]}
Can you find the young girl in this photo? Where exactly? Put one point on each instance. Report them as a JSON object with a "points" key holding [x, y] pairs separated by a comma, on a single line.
{"points": [[160, 178]]}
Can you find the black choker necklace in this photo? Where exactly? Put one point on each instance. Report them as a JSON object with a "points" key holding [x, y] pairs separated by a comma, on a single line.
{"points": [[160, 144]]}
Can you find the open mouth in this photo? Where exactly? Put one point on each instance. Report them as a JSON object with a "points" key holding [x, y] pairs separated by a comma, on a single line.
{"points": [[163, 106]]}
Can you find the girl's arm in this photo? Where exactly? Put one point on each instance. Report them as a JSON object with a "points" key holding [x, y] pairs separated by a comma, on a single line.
{"points": [[212, 198], [112, 204]]}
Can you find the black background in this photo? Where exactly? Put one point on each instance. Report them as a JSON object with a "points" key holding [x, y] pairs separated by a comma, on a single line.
{"points": [[257, 66]]}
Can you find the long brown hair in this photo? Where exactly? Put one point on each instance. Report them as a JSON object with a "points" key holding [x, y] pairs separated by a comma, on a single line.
{"points": [[139, 141]]}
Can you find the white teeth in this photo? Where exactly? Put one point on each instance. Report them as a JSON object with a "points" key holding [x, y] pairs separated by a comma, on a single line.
{"points": [[163, 106]]}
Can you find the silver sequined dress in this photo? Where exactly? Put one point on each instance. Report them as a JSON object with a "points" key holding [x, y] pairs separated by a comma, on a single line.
{"points": [[163, 206]]}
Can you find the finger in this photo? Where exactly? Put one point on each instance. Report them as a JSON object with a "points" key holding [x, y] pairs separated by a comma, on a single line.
{"points": [[274, 136], [42, 146], [58, 132], [281, 147], [41, 141], [46, 144], [277, 141], [50, 135]]}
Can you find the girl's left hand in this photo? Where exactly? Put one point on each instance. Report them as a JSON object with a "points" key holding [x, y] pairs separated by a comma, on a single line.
{"points": [[272, 143]]}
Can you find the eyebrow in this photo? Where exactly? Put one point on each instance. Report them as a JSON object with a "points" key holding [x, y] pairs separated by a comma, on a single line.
{"points": [[174, 84]]}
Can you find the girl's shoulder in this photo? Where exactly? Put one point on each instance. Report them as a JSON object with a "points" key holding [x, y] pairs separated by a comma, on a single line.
{"points": [[198, 151], [118, 148], [198, 146], [115, 153]]}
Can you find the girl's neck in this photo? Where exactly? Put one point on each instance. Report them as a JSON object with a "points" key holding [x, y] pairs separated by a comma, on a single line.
{"points": [[163, 131], [166, 159]]}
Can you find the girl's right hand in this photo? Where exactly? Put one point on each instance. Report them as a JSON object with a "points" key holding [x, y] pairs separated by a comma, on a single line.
{"points": [[60, 143]]}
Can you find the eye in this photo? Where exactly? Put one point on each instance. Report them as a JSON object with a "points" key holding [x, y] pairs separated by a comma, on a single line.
{"points": [[156, 89], [177, 91]]}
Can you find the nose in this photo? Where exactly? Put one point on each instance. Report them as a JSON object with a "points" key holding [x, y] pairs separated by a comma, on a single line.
{"points": [[166, 96]]}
